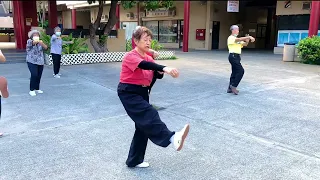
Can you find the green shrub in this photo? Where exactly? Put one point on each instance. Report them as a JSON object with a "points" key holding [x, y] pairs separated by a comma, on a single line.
{"points": [[309, 50], [78, 46], [46, 40], [155, 45]]}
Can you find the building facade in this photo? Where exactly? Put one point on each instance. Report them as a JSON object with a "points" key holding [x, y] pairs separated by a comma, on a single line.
{"points": [[202, 26]]}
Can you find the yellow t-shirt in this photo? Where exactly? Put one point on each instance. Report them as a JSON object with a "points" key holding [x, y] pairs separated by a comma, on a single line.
{"points": [[233, 46]]}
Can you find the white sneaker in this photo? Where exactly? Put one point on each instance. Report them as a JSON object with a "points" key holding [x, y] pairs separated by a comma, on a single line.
{"points": [[180, 136], [56, 76], [39, 91], [32, 93], [143, 165]]}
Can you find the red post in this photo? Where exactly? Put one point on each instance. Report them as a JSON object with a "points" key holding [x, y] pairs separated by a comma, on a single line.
{"points": [[186, 22], [118, 16], [19, 24], [52, 11], [314, 18], [74, 18]]}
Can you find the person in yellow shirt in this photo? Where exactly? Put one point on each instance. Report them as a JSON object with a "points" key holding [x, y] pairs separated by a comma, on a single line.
{"points": [[235, 45]]}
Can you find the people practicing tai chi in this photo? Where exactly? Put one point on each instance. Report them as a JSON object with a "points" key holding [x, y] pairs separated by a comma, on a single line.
{"points": [[35, 60], [137, 72], [235, 44], [3, 85], [56, 50]]}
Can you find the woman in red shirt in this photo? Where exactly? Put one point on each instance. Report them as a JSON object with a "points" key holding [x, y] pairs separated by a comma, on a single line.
{"points": [[137, 72]]}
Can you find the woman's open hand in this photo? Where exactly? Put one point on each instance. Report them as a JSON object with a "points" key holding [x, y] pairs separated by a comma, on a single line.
{"points": [[171, 71]]}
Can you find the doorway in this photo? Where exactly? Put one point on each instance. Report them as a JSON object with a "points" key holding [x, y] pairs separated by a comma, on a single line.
{"points": [[215, 34]]}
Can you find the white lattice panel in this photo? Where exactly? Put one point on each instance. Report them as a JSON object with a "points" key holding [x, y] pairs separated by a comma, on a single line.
{"points": [[90, 58]]}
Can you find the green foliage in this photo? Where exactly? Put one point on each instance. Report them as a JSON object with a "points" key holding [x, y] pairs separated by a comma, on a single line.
{"points": [[78, 46], [46, 40], [309, 50], [155, 45], [148, 5], [45, 24], [129, 45], [102, 40]]}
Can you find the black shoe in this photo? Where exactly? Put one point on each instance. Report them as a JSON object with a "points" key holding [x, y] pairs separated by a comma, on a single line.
{"points": [[229, 91]]}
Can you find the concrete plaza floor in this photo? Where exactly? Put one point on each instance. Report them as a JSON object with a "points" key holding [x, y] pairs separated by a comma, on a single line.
{"points": [[78, 128]]}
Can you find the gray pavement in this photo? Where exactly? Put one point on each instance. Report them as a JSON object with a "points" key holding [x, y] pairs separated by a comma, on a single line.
{"points": [[78, 128]]}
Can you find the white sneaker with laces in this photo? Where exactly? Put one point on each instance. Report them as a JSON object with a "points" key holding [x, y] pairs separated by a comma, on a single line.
{"points": [[39, 91], [56, 76], [32, 93], [180, 136], [143, 165]]}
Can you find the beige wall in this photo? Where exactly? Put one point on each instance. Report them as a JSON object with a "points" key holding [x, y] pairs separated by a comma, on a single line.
{"points": [[83, 19], [198, 16], [113, 44], [67, 24], [226, 20], [296, 8]]}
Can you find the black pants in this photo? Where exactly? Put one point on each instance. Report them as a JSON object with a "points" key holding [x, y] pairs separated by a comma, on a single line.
{"points": [[36, 73], [135, 100], [237, 69], [56, 59]]}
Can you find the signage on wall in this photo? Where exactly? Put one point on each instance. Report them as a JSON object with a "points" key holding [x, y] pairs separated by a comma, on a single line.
{"points": [[233, 6], [28, 21], [287, 4]]}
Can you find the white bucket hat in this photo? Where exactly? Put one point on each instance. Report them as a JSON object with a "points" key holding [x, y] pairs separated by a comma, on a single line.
{"points": [[30, 33]]}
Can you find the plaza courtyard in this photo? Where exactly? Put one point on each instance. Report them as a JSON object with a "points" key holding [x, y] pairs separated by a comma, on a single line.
{"points": [[78, 129]]}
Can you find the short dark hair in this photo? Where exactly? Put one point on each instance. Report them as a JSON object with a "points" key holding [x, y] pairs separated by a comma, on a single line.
{"points": [[140, 31]]}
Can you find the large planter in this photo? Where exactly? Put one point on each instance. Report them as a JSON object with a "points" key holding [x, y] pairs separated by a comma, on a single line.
{"points": [[91, 58]]}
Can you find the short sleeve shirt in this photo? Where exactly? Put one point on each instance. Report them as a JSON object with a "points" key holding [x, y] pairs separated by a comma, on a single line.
{"points": [[233, 46], [131, 73]]}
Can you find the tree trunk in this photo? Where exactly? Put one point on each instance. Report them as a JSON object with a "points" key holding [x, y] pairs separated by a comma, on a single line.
{"points": [[93, 28], [98, 48]]}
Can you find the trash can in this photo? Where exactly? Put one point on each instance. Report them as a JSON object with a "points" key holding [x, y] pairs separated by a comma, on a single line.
{"points": [[289, 52]]}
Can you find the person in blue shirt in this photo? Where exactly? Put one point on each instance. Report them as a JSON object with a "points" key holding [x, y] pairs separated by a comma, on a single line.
{"points": [[56, 50]]}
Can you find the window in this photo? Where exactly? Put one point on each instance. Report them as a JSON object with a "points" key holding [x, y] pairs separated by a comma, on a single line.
{"points": [[168, 31], [154, 27], [163, 31]]}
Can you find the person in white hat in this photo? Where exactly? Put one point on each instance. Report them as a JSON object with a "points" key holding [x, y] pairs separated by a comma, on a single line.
{"points": [[235, 44], [35, 60]]}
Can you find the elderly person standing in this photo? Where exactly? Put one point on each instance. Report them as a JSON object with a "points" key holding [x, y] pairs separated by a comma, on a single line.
{"points": [[35, 60], [235, 44], [56, 50]]}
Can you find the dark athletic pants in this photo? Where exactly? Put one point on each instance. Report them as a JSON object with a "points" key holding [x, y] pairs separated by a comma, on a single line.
{"points": [[36, 73], [135, 100], [237, 69], [56, 59]]}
